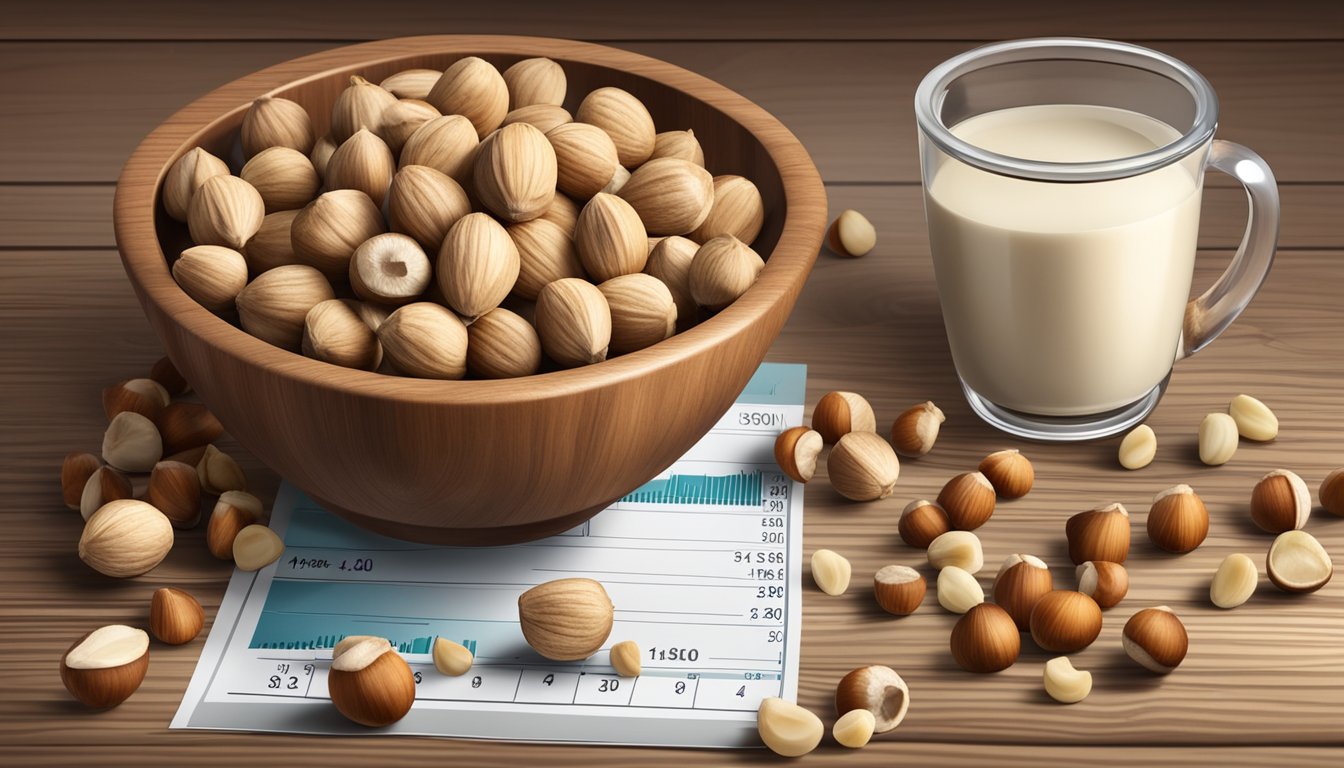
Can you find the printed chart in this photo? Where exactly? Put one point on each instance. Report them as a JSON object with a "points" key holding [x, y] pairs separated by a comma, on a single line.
{"points": [[702, 564]]}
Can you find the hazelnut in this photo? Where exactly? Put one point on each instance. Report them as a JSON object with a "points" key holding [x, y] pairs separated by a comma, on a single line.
{"points": [[830, 571], [1280, 502], [878, 690], [1234, 582], [839, 413], [1022, 581], [786, 728], [1255, 421], [76, 470], [959, 548], [1332, 492], [566, 619], [104, 667], [921, 522], [187, 425], [1298, 563], [1106, 583], [625, 658], [968, 500], [1065, 621], [1217, 439], [1099, 534], [863, 467], [175, 489], [1011, 473], [175, 617], [370, 683], [916, 430], [899, 589], [452, 659], [854, 729], [106, 484], [985, 640], [143, 396], [1138, 448], [796, 452], [1156, 639], [1178, 520], [256, 546], [1064, 683], [958, 591]]}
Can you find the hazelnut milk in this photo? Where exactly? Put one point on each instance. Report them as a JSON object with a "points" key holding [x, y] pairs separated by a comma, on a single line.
{"points": [[1063, 299]]}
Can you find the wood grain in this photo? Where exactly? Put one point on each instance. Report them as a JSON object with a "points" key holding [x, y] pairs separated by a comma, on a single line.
{"points": [[347, 20], [1261, 684], [851, 104]]}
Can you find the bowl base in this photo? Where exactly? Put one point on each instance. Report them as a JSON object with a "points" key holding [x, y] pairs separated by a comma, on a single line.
{"points": [[493, 536]]}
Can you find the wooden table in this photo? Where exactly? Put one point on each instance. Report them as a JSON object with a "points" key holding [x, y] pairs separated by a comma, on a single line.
{"points": [[1263, 685]]}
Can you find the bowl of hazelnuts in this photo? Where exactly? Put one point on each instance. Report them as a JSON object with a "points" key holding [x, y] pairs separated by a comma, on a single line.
{"points": [[469, 289]]}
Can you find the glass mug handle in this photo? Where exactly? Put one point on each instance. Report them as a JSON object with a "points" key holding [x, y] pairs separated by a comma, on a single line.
{"points": [[1211, 313]]}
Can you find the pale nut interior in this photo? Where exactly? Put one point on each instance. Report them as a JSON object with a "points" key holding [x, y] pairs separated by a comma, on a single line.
{"points": [[857, 235], [361, 654], [896, 574], [786, 728], [831, 571], [346, 643], [393, 266], [1088, 578], [855, 728], [957, 548], [1296, 558], [1234, 582], [112, 646], [1255, 421], [806, 451], [1138, 448], [1064, 683], [1011, 560], [887, 696], [958, 591]]}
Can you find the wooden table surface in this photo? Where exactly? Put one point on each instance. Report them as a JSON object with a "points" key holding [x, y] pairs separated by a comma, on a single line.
{"points": [[1262, 685]]}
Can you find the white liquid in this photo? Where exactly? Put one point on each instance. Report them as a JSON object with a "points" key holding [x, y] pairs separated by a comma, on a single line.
{"points": [[1063, 299]]}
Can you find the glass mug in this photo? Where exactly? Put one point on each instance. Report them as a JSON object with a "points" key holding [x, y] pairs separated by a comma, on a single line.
{"points": [[1062, 181]]}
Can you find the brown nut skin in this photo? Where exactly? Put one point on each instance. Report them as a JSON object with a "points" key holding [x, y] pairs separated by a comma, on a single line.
{"points": [[1156, 639], [877, 689], [225, 522], [1332, 492], [1178, 520], [921, 522], [899, 589], [76, 470], [377, 695], [1065, 621], [968, 500], [796, 452], [103, 688], [914, 432], [175, 488], [985, 640], [1106, 583], [175, 616], [1019, 587], [1280, 502], [1099, 534], [187, 425], [839, 413], [1011, 473]]}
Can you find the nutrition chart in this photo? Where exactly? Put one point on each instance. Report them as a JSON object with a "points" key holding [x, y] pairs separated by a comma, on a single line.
{"points": [[702, 563]]}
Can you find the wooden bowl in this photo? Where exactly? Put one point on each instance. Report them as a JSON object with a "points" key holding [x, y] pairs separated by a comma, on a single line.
{"points": [[477, 462]]}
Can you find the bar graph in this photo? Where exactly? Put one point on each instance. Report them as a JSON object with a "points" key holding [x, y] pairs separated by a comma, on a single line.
{"points": [[422, 644], [739, 489]]}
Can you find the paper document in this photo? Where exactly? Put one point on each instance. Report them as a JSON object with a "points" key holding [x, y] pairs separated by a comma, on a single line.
{"points": [[702, 564]]}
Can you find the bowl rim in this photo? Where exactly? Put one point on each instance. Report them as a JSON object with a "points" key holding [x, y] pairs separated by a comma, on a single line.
{"points": [[137, 194]]}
